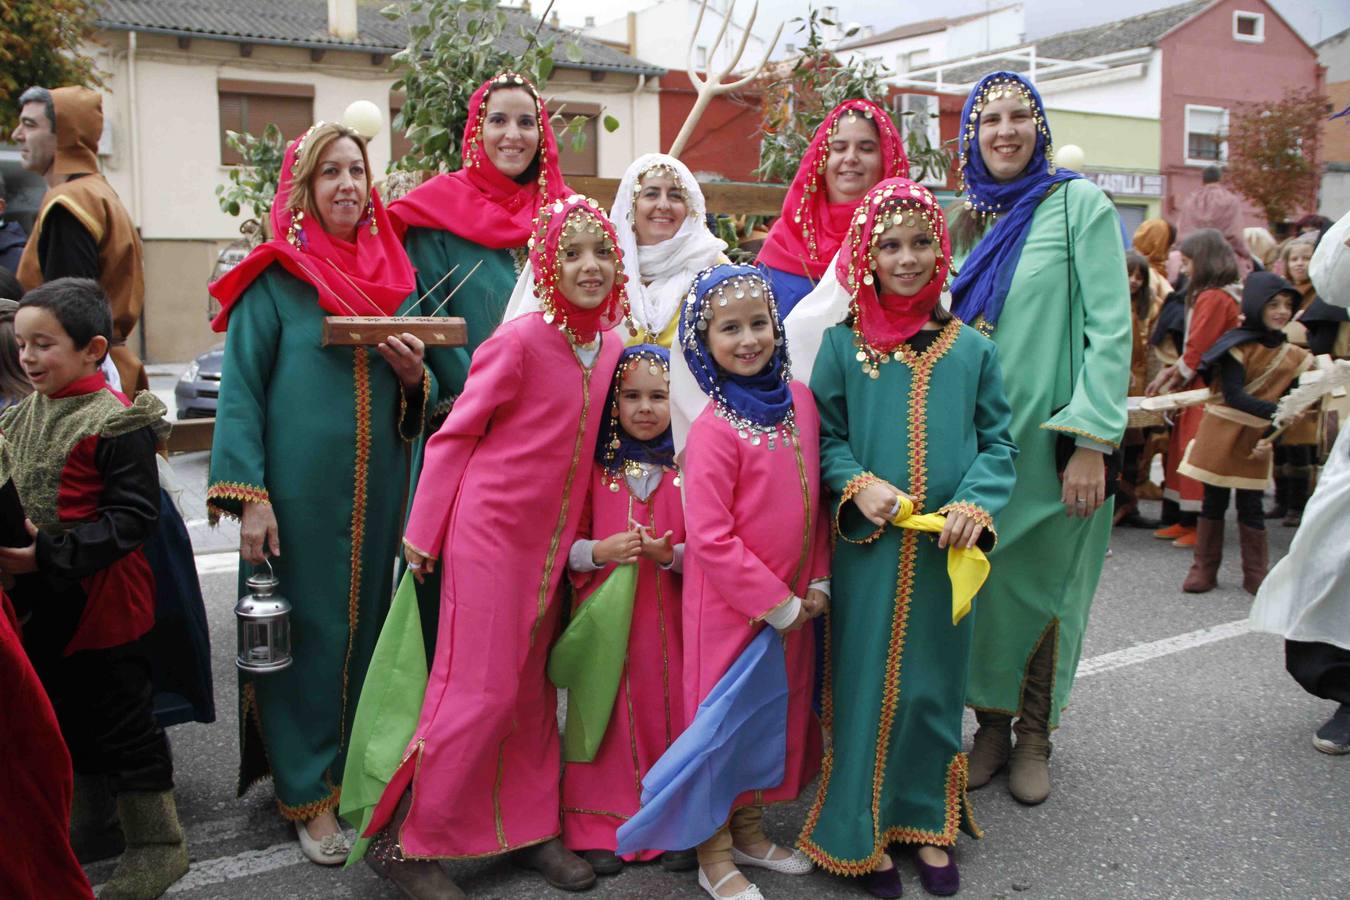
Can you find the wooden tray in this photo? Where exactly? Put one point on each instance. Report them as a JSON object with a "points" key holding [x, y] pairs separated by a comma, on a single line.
{"points": [[367, 331]]}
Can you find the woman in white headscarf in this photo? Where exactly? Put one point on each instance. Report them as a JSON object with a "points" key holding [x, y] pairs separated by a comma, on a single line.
{"points": [[660, 217]]}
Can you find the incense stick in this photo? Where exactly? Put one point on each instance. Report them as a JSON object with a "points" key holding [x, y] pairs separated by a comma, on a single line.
{"points": [[456, 288], [436, 285]]}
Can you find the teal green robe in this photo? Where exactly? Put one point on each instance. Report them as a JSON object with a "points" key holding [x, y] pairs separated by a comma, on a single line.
{"points": [[323, 434], [481, 303], [1047, 565], [934, 425]]}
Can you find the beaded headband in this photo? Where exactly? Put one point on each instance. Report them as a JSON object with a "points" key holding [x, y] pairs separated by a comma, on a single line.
{"points": [[996, 89]]}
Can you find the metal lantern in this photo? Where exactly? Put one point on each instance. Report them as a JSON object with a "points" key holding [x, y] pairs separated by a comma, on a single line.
{"points": [[264, 625]]}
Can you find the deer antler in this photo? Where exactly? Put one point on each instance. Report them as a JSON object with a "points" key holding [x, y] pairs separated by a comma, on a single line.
{"points": [[709, 86]]}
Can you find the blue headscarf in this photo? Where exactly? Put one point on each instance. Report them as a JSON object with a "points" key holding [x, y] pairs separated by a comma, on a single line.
{"points": [[616, 446], [982, 285], [759, 402]]}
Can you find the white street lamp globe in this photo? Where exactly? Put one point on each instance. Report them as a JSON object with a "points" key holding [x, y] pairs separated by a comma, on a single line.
{"points": [[364, 118], [1069, 156]]}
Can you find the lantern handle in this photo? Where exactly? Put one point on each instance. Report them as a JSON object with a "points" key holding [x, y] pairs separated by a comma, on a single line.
{"points": [[267, 562]]}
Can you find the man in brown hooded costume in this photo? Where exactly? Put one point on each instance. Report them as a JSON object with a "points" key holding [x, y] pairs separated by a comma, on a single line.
{"points": [[82, 229]]}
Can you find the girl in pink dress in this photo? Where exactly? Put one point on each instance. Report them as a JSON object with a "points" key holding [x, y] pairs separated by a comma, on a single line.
{"points": [[497, 505], [757, 552], [636, 510]]}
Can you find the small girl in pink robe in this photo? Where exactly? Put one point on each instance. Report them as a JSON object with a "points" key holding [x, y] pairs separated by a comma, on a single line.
{"points": [[757, 551], [636, 510], [498, 505]]}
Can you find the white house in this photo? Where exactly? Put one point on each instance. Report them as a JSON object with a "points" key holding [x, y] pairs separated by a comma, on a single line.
{"points": [[915, 45], [663, 32]]}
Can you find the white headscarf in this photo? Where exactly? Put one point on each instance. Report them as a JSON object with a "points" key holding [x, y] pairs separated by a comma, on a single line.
{"points": [[659, 275]]}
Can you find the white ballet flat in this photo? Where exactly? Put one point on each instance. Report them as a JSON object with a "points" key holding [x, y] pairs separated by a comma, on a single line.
{"points": [[750, 893], [329, 850], [796, 864]]}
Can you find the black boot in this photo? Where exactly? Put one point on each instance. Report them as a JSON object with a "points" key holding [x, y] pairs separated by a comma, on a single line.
{"points": [[1281, 507], [95, 833], [1299, 476]]}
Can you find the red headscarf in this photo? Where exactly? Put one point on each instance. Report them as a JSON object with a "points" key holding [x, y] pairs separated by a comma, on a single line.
{"points": [[885, 321], [371, 277], [581, 324], [810, 229], [478, 202]]}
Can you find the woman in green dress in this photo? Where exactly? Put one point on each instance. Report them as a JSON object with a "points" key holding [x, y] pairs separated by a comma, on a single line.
{"points": [[1045, 278], [912, 407], [310, 452]]}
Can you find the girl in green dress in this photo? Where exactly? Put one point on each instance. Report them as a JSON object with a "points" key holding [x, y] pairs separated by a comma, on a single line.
{"points": [[913, 415], [310, 453]]}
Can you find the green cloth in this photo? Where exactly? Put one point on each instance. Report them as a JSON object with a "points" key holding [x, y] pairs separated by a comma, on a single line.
{"points": [[1047, 565], [322, 433], [588, 660], [481, 303], [387, 716], [936, 427]]}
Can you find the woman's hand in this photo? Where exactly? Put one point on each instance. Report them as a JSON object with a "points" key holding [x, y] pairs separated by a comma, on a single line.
{"points": [[619, 549], [404, 354], [1084, 488], [258, 538], [658, 550], [1164, 382], [803, 616], [419, 565], [959, 531], [20, 560], [1263, 449], [877, 501]]}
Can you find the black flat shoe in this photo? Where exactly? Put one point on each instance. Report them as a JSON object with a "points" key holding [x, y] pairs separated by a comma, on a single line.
{"points": [[603, 862], [940, 881], [679, 860], [884, 884]]}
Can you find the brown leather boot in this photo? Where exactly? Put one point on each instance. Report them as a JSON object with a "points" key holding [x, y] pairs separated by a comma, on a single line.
{"points": [[990, 750], [560, 867], [1204, 573], [1255, 557], [417, 879], [1029, 763]]}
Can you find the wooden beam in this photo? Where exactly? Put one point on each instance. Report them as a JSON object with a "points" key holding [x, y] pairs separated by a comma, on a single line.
{"points": [[191, 435], [245, 50], [729, 197], [184, 42], [316, 54]]}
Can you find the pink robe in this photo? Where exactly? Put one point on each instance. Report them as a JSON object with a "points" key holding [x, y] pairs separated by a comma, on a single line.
{"points": [[756, 537], [498, 502], [599, 796]]}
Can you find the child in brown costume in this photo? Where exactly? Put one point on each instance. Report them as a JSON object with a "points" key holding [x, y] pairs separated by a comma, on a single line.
{"points": [[1250, 367]]}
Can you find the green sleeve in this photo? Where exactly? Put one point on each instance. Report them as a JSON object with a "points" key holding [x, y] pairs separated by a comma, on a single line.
{"points": [[238, 473], [1096, 411], [988, 483], [840, 471]]}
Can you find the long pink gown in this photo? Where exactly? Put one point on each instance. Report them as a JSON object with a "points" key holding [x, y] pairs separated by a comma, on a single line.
{"points": [[498, 503], [756, 536], [599, 796]]}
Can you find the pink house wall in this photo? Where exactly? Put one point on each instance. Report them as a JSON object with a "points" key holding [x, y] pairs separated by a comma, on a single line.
{"points": [[1203, 65]]}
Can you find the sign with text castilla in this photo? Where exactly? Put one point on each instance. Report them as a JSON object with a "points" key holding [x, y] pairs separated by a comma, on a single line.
{"points": [[1132, 184]]}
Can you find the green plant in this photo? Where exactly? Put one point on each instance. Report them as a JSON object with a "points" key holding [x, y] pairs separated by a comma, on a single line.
{"points": [[797, 101], [453, 47], [252, 184], [40, 44], [1273, 153]]}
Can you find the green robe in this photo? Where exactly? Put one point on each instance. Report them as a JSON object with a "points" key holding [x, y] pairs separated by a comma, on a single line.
{"points": [[1047, 565], [321, 433], [481, 303], [934, 425]]}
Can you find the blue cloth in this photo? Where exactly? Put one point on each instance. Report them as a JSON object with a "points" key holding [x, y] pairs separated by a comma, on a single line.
{"points": [[736, 743], [982, 285], [12, 239], [660, 450], [788, 288], [762, 399]]}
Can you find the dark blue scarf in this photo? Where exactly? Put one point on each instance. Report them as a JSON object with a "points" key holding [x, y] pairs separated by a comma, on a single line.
{"points": [[762, 399], [616, 446], [982, 285]]}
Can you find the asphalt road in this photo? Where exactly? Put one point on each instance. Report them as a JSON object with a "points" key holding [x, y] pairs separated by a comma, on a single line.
{"points": [[1183, 769]]}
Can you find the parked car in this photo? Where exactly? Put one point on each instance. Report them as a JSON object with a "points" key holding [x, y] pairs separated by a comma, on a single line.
{"points": [[198, 387]]}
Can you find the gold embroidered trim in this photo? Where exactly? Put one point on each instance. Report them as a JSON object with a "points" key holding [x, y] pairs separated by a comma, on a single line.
{"points": [[232, 490], [1078, 432], [978, 513], [575, 811], [361, 377], [856, 485], [248, 709]]}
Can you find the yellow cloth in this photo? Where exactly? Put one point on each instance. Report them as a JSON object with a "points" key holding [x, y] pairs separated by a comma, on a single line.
{"points": [[967, 567]]}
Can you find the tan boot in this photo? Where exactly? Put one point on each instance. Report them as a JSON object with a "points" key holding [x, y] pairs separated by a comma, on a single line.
{"points": [[991, 748], [1204, 573], [1255, 557], [417, 879], [1029, 763], [156, 854]]}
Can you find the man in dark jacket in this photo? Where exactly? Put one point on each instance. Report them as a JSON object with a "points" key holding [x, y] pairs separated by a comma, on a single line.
{"points": [[12, 237]]}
